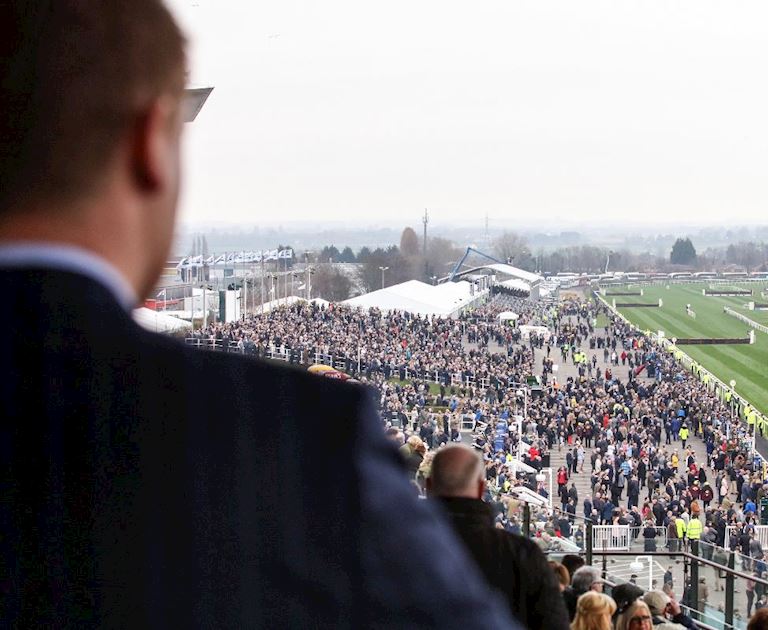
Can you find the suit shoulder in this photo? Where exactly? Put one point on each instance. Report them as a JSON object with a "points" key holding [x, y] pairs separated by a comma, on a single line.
{"points": [[235, 368], [523, 548]]}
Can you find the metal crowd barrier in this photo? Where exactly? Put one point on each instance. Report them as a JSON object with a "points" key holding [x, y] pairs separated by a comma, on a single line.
{"points": [[279, 353]]}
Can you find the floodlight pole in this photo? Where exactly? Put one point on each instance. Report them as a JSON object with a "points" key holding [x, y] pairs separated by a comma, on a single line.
{"points": [[262, 282], [383, 269], [245, 294]]}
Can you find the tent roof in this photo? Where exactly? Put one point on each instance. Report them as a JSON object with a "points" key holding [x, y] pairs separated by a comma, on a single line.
{"points": [[420, 298], [159, 322]]}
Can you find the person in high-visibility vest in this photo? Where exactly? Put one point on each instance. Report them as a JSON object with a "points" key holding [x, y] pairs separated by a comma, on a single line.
{"points": [[681, 528], [684, 433], [694, 529]]}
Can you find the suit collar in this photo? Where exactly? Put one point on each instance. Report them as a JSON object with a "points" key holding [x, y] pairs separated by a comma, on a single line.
{"points": [[67, 258]]}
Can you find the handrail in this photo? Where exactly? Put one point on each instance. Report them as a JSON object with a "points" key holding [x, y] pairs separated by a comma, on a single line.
{"points": [[689, 556], [281, 353]]}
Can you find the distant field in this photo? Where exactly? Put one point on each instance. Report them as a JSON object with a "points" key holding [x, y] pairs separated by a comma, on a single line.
{"points": [[748, 365]]}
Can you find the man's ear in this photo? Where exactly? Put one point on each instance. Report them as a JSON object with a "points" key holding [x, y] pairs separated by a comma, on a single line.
{"points": [[152, 144]]}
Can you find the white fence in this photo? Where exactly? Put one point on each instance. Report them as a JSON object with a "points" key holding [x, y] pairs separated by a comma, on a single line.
{"points": [[761, 534], [611, 537], [348, 364], [746, 320]]}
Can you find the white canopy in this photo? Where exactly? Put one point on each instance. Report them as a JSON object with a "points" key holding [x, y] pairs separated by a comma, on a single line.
{"points": [[443, 300], [541, 331], [159, 322], [518, 466], [507, 315], [529, 496]]}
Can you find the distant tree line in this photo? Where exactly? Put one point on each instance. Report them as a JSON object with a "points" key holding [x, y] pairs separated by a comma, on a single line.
{"points": [[407, 261]]}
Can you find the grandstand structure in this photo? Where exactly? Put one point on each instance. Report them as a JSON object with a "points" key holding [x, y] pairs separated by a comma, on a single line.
{"points": [[503, 274], [460, 291]]}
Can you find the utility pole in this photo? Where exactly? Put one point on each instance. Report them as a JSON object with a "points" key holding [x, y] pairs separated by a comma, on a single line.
{"points": [[245, 294], [383, 269], [424, 244], [262, 282]]}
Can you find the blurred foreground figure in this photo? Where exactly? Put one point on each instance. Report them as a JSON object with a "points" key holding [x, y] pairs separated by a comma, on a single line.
{"points": [[143, 485], [512, 564]]}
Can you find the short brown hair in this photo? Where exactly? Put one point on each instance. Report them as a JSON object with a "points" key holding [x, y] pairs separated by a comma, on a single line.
{"points": [[759, 620], [563, 577], [75, 75]]}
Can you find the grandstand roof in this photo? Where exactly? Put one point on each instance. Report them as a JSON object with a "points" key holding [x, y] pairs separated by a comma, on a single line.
{"points": [[515, 272], [420, 298], [516, 283]]}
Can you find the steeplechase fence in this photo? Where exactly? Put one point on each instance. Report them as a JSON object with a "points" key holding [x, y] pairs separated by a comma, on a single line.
{"points": [[715, 341], [726, 293], [622, 293], [658, 304], [654, 282]]}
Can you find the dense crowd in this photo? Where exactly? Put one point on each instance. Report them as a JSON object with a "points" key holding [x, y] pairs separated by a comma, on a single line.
{"points": [[627, 421]]}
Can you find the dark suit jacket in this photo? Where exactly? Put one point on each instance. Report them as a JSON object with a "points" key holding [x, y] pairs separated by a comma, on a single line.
{"points": [[147, 485]]}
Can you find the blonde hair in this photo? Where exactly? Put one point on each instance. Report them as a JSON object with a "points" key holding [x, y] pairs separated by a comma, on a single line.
{"points": [[622, 621], [414, 441], [593, 612]]}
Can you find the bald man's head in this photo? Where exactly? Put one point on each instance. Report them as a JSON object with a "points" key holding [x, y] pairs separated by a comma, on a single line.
{"points": [[457, 471]]}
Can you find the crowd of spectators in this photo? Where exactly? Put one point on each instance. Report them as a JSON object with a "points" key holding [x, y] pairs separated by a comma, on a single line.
{"points": [[627, 422]]}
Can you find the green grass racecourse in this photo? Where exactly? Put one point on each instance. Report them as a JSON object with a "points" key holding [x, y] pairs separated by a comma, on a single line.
{"points": [[747, 364]]}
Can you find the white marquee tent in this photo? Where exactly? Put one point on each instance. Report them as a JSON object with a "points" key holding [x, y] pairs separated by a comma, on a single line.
{"points": [[443, 300]]}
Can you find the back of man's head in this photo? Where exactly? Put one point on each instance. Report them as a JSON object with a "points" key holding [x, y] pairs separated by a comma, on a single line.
{"points": [[76, 75], [573, 563], [457, 471], [584, 578]]}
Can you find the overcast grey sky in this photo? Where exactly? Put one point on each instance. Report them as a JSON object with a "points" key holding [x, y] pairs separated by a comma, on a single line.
{"points": [[532, 110]]}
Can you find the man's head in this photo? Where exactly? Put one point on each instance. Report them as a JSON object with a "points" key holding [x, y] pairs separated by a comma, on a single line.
{"points": [[587, 578], [90, 121], [657, 602], [457, 471], [572, 562]]}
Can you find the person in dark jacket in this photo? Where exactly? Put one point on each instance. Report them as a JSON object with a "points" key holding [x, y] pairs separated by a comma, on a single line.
{"points": [[649, 536], [513, 565]]}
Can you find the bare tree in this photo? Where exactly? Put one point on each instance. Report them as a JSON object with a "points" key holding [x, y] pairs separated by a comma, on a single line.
{"points": [[513, 248], [409, 243], [331, 284]]}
